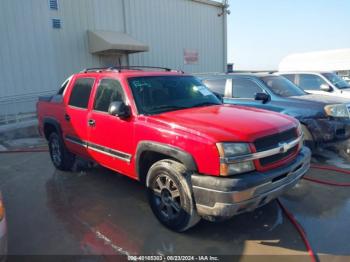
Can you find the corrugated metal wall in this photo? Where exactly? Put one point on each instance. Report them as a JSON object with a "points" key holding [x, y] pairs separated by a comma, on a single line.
{"points": [[35, 58], [169, 26]]}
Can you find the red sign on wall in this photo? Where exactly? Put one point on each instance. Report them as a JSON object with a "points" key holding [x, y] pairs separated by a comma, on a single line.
{"points": [[191, 56]]}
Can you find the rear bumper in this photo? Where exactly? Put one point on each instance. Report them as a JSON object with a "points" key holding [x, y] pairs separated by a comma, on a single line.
{"points": [[226, 197]]}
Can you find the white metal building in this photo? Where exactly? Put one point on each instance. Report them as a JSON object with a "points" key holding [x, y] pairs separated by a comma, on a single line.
{"points": [[44, 41]]}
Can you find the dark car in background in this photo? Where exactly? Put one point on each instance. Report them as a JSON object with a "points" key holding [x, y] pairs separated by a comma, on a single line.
{"points": [[324, 119]]}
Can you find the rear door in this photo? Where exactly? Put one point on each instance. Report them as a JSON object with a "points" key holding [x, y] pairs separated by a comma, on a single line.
{"points": [[110, 138], [75, 127]]}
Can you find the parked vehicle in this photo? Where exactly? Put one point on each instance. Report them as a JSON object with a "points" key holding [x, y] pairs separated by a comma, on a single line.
{"points": [[197, 157], [3, 231], [324, 119], [322, 83]]}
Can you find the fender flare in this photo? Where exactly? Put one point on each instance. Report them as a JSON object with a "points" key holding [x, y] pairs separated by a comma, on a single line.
{"points": [[174, 152], [54, 122]]}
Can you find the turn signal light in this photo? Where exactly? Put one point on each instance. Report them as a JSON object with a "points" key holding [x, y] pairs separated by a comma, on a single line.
{"points": [[2, 210]]}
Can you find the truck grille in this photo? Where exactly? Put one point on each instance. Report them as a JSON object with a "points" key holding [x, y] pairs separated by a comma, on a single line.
{"points": [[272, 141]]}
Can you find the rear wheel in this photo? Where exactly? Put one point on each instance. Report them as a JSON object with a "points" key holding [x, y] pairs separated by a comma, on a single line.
{"points": [[61, 158], [170, 195]]}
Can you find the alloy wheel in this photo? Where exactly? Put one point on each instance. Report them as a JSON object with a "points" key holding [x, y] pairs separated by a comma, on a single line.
{"points": [[167, 196]]}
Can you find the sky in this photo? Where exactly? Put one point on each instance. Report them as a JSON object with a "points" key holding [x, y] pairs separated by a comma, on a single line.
{"points": [[262, 32]]}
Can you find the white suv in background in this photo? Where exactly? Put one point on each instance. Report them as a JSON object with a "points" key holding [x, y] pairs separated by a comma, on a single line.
{"points": [[323, 83]]}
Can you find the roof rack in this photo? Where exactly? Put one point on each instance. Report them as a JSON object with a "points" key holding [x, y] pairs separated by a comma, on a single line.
{"points": [[94, 69], [120, 68], [252, 71], [140, 68]]}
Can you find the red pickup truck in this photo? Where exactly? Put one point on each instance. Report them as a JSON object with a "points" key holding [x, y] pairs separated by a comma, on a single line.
{"points": [[197, 157]]}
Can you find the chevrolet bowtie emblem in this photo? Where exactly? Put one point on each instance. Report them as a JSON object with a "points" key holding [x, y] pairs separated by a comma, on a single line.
{"points": [[283, 147]]}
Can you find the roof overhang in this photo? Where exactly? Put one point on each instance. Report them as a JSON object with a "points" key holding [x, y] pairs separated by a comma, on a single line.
{"points": [[210, 2], [109, 42]]}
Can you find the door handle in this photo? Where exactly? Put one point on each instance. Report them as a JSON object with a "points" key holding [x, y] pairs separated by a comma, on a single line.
{"points": [[91, 122], [67, 117]]}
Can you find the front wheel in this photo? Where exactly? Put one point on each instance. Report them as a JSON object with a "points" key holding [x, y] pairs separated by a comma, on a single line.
{"points": [[170, 196], [61, 158]]}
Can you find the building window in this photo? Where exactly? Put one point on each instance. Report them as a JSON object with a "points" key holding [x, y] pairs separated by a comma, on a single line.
{"points": [[56, 23], [53, 4]]}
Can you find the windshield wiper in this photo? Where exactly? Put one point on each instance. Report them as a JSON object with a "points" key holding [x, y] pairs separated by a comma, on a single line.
{"points": [[168, 107], [205, 104]]}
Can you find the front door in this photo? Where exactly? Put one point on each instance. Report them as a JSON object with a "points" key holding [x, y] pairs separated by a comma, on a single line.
{"points": [[110, 138], [312, 84], [243, 93]]}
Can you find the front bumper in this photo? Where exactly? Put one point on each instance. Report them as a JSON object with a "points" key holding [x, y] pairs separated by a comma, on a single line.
{"points": [[326, 131], [3, 240], [226, 197]]}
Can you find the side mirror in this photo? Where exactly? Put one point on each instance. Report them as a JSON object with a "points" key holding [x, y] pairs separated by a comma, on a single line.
{"points": [[263, 97], [119, 109], [326, 88]]}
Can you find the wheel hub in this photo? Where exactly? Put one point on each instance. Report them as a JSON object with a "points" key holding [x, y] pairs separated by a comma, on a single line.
{"points": [[55, 151], [166, 196]]}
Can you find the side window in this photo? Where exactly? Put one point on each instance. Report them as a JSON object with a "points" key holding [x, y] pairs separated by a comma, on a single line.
{"points": [[109, 90], [290, 78], [310, 82], [245, 88], [81, 92], [216, 85]]}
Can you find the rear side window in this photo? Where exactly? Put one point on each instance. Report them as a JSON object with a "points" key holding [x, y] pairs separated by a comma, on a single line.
{"points": [[310, 82], [64, 86], [216, 85], [80, 94], [245, 88], [108, 91]]}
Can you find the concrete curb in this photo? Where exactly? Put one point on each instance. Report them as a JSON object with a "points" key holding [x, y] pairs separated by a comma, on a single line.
{"points": [[19, 130]]}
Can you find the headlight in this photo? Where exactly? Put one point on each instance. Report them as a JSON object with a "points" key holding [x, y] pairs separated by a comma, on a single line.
{"points": [[233, 149], [227, 150], [339, 110], [299, 130]]}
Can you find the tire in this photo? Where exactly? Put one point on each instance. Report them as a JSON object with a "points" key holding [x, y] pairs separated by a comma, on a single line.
{"points": [[61, 158], [170, 195], [308, 138], [342, 149]]}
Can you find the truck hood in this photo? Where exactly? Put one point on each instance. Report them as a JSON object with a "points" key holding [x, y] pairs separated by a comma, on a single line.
{"points": [[221, 123], [321, 99]]}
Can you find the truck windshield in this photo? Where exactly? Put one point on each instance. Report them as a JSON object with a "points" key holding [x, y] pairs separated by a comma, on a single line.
{"points": [[282, 87], [336, 80], [158, 94]]}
